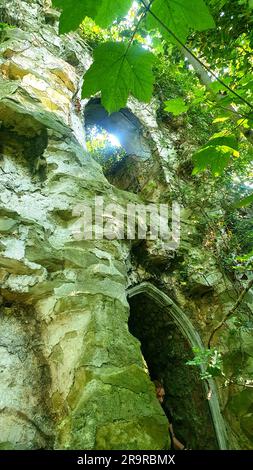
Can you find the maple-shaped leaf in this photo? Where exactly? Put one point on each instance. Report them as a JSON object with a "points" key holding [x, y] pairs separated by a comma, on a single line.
{"points": [[215, 158], [103, 12], [109, 10], [119, 70], [180, 16]]}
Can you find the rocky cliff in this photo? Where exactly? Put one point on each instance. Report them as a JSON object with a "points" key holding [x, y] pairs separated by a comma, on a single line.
{"points": [[72, 375]]}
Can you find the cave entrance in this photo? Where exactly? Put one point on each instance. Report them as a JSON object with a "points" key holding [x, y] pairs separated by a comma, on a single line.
{"points": [[117, 142], [167, 337]]}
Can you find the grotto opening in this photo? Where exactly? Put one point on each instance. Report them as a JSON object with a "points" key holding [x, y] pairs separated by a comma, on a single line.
{"points": [[127, 147], [165, 351]]}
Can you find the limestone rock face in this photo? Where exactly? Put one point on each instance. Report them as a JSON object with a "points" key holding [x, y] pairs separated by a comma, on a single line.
{"points": [[72, 376]]}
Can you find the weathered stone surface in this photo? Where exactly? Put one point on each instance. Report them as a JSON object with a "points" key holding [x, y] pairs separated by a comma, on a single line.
{"points": [[72, 376], [71, 370]]}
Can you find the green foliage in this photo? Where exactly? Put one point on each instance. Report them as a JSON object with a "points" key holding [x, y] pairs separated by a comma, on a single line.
{"points": [[217, 158], [3, 26], [176, 106], [110, 10], [117, 71], [74, 12], [124, 64], [127, 68], [103, 12], [92, 34], [210, 359], [246, 201], [228, 43], [216, 154], [244, 264], [247, 257], [235, 252], [180, 16], [224, 139]]}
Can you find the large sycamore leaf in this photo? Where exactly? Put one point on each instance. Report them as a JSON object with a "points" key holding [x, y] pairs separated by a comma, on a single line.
{"points": [[180, 16], [73, 12], [216, 154], [224, 138], [117, 71], [216, 158], [110, 10], [103, 12]]}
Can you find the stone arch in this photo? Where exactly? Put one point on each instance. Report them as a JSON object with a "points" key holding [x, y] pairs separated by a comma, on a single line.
{"points": [[123, 124], [186, 328], [130, 167]]}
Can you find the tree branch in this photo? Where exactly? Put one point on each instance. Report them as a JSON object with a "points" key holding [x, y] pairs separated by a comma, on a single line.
{"points": [[194, 55], [206, 81], [231, 312]]}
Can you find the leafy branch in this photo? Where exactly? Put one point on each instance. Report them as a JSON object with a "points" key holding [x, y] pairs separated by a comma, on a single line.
{"points": [[231, 311], [211, 361], [177, 21], [195, 56], [126, 60]]}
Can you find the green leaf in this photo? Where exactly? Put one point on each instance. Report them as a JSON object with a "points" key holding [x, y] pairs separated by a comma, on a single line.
{"points": [[103, 12], [217, 158], [220, 119], [176, 106], [4, 26], [217, 87], [223, 138], [73, 12], [180, 16], [246, 201], [110, 10], [251, 4], [117, 71], [245, 257]]}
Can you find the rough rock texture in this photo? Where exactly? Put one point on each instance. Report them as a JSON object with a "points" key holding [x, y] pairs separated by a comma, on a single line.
{"points": [[72, 376]]}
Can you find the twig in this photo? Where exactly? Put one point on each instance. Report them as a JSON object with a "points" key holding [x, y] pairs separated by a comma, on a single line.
{"points": [[231, 312]]}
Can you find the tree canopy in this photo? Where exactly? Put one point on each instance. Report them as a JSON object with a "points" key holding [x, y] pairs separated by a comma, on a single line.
{"points": [[142, 41]]}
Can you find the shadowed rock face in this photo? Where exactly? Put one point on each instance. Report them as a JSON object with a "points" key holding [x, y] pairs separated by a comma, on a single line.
{"points": [[72, 376], [166, 352]]}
